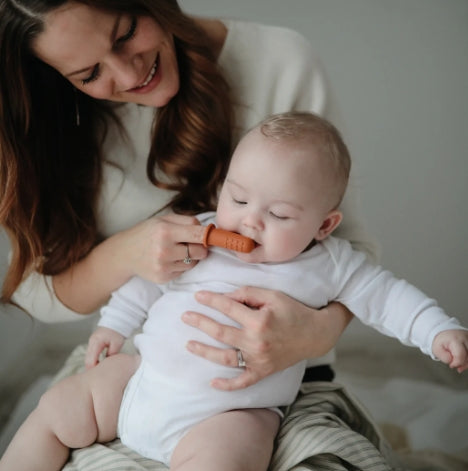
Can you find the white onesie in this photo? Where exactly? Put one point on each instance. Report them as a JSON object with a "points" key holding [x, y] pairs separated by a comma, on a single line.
{"points": [[171, 392]]}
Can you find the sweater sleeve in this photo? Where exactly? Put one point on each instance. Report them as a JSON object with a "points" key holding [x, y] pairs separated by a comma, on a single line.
{"points": [[37, 297]]}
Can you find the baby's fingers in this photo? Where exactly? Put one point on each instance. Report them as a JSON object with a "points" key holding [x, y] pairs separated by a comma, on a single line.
{"points": [[451, 347], [459, 356], [92, 353]]}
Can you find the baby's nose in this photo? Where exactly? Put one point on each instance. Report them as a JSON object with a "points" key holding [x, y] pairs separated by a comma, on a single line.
{"points": [[253, 221]]}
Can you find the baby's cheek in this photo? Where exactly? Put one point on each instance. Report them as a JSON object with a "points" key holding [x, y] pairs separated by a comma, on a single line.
{"points": [[282, 247], [225, 221], [299, 242]]}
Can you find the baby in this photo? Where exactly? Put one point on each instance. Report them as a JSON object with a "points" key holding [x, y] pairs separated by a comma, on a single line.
{"points": [[283, 189]]}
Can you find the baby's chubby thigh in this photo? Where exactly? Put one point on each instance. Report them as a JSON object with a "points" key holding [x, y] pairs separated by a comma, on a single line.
{"points": [[84, 408], [236, 440], [108, 386]]}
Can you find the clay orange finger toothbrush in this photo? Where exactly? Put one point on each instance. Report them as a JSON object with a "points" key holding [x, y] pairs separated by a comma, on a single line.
{"points": [[227, 240]]}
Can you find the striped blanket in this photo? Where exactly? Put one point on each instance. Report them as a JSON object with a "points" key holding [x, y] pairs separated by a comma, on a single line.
{"points": [[325, 429]]}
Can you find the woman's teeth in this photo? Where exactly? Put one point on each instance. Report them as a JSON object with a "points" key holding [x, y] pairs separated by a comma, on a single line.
{"points": [[150, 76]]}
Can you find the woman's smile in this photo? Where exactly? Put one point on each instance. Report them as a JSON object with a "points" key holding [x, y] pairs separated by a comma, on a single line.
{"points": [[151, 80]]}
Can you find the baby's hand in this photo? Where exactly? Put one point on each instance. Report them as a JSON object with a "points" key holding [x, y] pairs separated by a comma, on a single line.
{"points": [[101, 339], [451, 347]]}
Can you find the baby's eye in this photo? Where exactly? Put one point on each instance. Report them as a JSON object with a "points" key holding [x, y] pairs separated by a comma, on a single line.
{"points": [[236, 201], [278, 216]]}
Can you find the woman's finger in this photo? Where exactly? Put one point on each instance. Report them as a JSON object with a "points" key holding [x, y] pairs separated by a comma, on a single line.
{"points": [[253, 297], [226, 357], [159, 246], [226, 334], [244, 380], [225, 304], [188, 253], [185, 228], [222, 356]]}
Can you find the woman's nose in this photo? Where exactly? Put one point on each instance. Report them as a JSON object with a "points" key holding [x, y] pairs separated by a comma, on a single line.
{"points": [[127, 74]]}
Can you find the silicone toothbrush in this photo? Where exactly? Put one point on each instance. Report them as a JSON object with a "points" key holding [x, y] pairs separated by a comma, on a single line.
{"points": [[227, 240]]}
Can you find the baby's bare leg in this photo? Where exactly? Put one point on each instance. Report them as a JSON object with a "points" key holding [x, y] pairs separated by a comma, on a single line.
{"points": [[239, 440], [75, 413]]}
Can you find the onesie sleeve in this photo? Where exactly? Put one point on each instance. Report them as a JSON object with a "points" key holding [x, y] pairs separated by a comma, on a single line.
{"points": [[390, 305], [129, 305]]}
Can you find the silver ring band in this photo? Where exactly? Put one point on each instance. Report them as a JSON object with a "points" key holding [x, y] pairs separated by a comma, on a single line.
{"points": [[187, 260], [240, 359]]}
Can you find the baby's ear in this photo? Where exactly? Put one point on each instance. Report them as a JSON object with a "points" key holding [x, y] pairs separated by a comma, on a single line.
{"points": [[330, 223]]}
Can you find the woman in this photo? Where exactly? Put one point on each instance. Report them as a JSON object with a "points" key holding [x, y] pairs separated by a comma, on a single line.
{"points": [[115, 112]]}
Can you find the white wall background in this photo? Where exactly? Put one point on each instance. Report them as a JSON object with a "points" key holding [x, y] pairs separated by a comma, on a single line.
{"points": [[399, 69]]}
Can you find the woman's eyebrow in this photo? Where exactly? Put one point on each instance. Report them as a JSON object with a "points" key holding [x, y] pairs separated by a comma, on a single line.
{"points": [[112, 39]]}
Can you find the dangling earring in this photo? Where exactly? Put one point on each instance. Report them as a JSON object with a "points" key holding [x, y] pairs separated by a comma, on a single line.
{"points": [[77, 108]]}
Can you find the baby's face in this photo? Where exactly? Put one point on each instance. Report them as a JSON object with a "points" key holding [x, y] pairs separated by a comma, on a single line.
{"points": [[274, 194]]}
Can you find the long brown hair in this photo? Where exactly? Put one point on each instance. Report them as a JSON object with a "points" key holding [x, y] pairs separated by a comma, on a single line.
{"points": [[51, 169]]}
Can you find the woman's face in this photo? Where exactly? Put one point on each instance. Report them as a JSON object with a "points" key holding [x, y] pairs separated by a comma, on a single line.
{"points": [[111, 56]]}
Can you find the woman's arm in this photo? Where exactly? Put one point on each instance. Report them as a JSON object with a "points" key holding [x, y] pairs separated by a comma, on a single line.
{"points": [[276, 332], [153, 249]]}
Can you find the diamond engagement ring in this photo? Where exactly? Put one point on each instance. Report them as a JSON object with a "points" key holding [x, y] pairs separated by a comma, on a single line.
{"points": [[240, 359], [187, 260]]}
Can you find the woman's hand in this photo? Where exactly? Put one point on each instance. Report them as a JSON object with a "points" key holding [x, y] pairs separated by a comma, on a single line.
{"points": [[276, 332], [159, 248], [154, 249]]}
